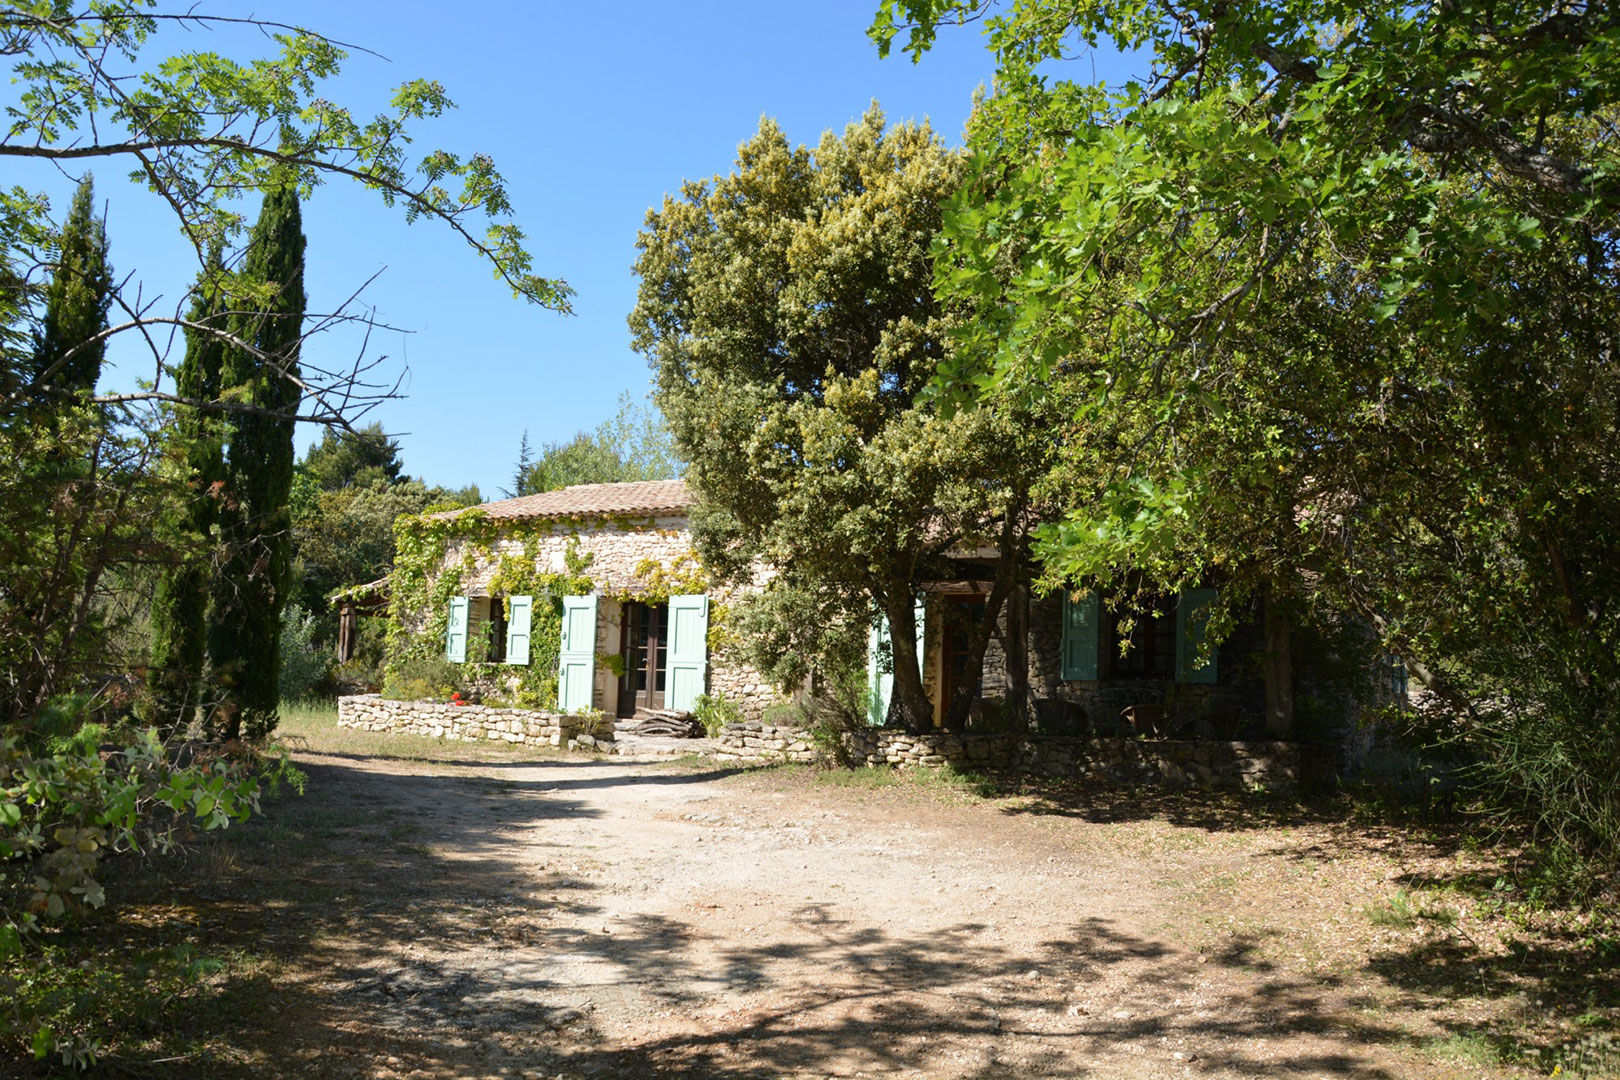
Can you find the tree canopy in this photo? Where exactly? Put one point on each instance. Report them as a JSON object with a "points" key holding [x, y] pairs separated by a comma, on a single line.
{"points": [[788, 312], [1328, 289], [348, 458], [634, 445]]}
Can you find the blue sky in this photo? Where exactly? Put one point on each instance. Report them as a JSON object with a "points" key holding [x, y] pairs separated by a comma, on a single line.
{"points": [[592, 112]]}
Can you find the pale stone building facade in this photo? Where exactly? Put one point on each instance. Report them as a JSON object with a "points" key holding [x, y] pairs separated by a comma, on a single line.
{"points": [[644, 635]]}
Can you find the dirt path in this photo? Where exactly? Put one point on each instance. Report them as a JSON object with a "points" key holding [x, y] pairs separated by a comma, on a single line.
{"points": [[619, 919]]}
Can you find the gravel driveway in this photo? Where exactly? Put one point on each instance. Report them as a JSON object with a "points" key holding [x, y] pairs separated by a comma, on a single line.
{"points": [[609, 918]]}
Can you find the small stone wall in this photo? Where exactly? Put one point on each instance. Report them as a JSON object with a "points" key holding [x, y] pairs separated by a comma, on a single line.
{"points": [[1179, 763], [476, 723], [761, 743], [1109, 760]]}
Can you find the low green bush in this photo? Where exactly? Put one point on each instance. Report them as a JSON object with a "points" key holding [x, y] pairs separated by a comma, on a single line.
{"points": [[422, 679], [304, 661], [714, 712], [61, 814]]}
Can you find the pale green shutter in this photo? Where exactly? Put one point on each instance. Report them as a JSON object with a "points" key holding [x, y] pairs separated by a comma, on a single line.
{"points": [[576, 660], [455, 630], [688, 656], [519, 618], [920, 617], [1192, 614], [1082, 620], [880, 677]]}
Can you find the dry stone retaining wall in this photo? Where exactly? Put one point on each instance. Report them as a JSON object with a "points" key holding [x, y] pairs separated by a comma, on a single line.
{"points": [[760, 743], [1108, 760], [1198, 763], [476, 723]]}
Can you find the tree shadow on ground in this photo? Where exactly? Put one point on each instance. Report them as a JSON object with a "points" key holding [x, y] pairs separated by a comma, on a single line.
{"points": [[320, 901], [1214, 810]]}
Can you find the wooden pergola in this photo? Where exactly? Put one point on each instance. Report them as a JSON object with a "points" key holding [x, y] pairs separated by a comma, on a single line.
{"points": [[354, 603]]}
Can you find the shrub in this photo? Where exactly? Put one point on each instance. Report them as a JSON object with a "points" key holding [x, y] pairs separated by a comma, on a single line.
{"points": [[422, 679], [787, 714], [304, 662], [60, 815], [714, 712]]}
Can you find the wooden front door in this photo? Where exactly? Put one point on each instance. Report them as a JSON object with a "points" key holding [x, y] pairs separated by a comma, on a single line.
{"points": [[962, 615], [646, 654]]}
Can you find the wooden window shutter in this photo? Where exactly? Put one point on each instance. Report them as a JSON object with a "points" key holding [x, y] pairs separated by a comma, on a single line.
{"points": [[1192, 614], [576, 659], [688, 651], [455, 630], [1082, 618], [519, 618]]}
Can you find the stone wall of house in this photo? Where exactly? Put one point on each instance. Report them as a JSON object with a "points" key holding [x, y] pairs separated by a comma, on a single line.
{"points": [[1239, 683], [736, 681], [476, 723], [617, 549]]}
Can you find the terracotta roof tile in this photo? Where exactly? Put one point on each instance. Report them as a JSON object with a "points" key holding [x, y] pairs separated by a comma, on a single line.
{"points": [[642, 497]]}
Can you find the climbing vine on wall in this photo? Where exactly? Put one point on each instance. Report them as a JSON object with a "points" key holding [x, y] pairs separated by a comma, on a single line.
{"points": [[436, 555], [425, 579]]}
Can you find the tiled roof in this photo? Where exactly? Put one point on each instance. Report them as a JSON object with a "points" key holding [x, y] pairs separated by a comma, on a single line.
{"points": [[642, 497]]}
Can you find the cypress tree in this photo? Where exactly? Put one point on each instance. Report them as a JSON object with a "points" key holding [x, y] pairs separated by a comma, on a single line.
{"points": [[180, 605], [76, 303], [255, 525], [56, 532]]}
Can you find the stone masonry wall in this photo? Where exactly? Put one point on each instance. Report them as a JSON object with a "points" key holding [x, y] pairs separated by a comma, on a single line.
{"points": [[761, 743], [1129, 761], [1238, 682], [1108, 761], [616, 548], [476, 723]]}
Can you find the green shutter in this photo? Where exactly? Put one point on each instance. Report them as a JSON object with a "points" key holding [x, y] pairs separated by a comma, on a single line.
{"points": [[1082, 618], [519, 618], [880, 676], [576, 660], [455, 630], [920, 615], [688, 656], [1192, 613]]}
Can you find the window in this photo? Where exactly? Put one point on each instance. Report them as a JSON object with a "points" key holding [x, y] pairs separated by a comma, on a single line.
{"points": [[495, 652], [1149, 646]]}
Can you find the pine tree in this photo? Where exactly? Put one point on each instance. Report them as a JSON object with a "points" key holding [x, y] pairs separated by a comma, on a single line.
{"points": [[255, 526], [76, 303], [180, 605]]}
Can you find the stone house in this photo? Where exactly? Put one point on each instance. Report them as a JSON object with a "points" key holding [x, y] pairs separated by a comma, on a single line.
{"points": [[599, 587], [1092, 667], [596, 583], [1077, 676]]}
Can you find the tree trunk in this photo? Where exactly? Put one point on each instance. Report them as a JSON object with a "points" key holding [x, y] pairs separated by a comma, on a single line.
{"points": [[1279, 669], [1015, 644], [909, 707]]}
